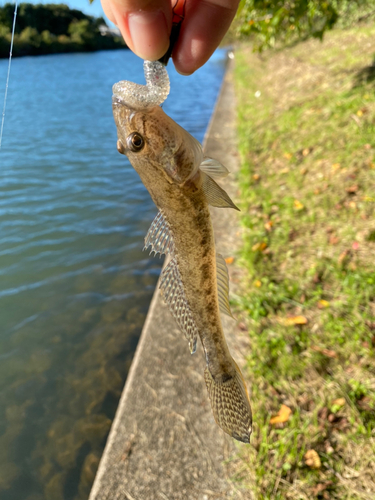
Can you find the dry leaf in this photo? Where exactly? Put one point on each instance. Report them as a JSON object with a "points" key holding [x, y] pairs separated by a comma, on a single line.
{"points": [[229, 260], [259, 246], [326, 352], [256, 177], [344, 257], [321, 487], [352, 189], [339, 402], [288, 156], [282, 415], [335, 166], [268, 225], [298, 205], [293, 320], [333, 240], [353, 205], [322, 304], [312, 459], [242, 326]]}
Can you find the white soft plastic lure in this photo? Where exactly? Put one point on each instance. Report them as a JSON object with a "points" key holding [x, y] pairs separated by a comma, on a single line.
{"points": [[194, 284]]}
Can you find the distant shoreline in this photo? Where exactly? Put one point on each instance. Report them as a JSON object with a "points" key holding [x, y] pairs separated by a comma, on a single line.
{"points": [[63, 51], [54, 29]]}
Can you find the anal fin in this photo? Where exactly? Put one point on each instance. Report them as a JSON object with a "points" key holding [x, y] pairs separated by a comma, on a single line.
{"points": [[222, 285], [174, 295]]}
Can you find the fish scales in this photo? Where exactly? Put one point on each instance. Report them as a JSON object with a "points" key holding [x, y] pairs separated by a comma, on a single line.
{"points": [[180, 180]]}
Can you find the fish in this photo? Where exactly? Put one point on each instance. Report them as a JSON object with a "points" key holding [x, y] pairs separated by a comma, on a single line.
{"points": [[182, 184]]}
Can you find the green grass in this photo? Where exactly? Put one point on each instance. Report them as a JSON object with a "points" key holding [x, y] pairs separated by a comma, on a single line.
{"points": [[306, 125]]}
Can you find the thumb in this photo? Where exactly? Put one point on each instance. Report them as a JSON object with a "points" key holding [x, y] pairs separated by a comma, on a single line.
{"points": [[145, 24]]}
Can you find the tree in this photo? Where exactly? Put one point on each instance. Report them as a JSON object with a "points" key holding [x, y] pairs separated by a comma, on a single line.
{"points": [[271, 20]]}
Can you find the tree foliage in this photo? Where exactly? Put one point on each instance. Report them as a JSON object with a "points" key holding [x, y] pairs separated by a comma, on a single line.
{"points": [[269, 21], [51, 28]]}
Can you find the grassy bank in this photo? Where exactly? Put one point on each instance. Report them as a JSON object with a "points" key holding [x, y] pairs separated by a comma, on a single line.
{"points": [[307, 141]]}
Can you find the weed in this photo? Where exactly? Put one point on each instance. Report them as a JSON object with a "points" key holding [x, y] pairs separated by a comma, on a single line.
{"points": [[306, 119]]}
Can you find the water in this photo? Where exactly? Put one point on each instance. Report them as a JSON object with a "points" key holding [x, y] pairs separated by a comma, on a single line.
{"points": [[75, 285]]}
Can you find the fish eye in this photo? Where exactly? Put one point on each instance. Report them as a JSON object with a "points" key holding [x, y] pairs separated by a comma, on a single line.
{"points": [[135, 142]]}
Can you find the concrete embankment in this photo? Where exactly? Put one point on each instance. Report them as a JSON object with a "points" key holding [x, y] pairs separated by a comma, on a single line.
{"points": [[164, 442]]}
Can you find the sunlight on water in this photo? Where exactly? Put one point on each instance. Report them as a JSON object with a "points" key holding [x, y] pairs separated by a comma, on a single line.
{"points": [[75, 285]]}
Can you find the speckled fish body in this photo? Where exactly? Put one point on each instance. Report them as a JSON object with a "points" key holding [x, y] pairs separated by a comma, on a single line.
{"points": [[172, 167]]}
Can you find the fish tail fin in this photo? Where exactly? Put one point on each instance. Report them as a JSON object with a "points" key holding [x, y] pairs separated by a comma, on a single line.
{"points": [[230, 403]]}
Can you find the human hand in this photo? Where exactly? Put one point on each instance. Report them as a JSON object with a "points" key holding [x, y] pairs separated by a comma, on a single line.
{"points": [[146, 26]]}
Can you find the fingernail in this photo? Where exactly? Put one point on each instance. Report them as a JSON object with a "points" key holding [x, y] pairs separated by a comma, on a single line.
{"points": [[149, 34]]}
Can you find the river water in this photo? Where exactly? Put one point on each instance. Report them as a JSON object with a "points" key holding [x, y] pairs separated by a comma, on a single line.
{"points": [[75, 285]]}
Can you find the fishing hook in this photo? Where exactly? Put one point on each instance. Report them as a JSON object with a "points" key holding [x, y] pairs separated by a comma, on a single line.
{"points": [[178, 11]]}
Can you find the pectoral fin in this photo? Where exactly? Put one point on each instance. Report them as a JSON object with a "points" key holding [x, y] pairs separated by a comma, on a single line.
{"points": [[174, 295], [215, 195], [213, 168]]}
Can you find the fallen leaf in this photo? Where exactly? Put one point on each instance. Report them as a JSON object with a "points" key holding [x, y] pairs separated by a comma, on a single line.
{"points": [[366, 403], [326, 352], [353, 205], [282, 415], [322, 304], [293, 320], [333, 240], [229, 260], [256, 177], [298, 205], [321, 487], [305, 151], [335, 166], [257, 283], [288, 156], [344, 257], [312, 459], [352, 189], [242, 327], [268, 225], [259, 246], [367, 146], [339, 402]]}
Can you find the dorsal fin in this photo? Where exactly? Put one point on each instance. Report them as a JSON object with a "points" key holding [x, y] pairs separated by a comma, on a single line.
{"points": [[213, 168], [159, 236], [222, 285], [174, 295], [215, 195]]}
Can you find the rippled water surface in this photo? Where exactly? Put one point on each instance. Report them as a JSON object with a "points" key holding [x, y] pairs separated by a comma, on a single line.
{"points": [[75, 285]]}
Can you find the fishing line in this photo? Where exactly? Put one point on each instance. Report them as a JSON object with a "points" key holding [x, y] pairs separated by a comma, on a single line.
{"points": [[7, 82]]}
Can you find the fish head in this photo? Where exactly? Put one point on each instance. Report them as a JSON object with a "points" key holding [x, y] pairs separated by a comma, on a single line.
{"points": [[155, 144]]}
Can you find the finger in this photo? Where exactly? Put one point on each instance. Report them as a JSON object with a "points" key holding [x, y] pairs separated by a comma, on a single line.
{"points": [[205, 24], [145, 25]]}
